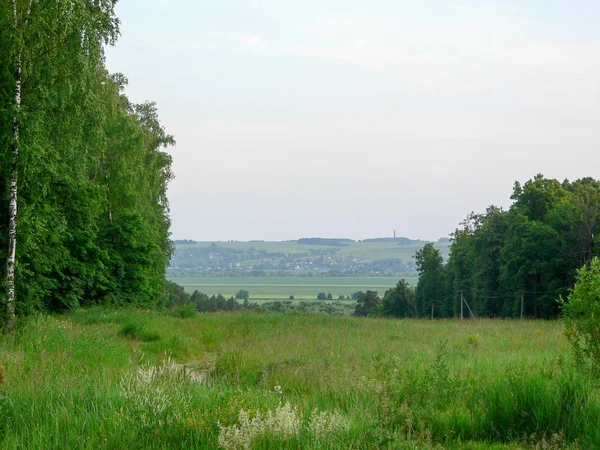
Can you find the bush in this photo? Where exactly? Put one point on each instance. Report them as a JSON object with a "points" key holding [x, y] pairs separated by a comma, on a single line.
{"points": [[184, 312], [582, 316]]}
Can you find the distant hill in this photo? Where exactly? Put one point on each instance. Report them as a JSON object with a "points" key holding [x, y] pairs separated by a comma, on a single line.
{"points": [[399, 240], [332, 257], [334, 242], [184, 242]]}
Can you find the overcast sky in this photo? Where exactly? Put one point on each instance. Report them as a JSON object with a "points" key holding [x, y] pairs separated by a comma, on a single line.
{"points": [[342, 118]]}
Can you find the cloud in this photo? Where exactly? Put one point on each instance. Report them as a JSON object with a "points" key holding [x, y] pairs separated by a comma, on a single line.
{"points": [[360, 44], [449, 54], [252, 41]]}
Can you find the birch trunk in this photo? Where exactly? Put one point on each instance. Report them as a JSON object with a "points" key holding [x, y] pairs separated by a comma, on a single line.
{"points": [[12, 208]]}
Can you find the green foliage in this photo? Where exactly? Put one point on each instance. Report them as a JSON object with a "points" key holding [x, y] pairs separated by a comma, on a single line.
{"points": [[185, 312], [582, 316], [321, 296], [367, 304], [137, 330], [430, 289], [525, 256], [173, 296], [204, 303], [242, 294], [400, 301], [93, 222]]}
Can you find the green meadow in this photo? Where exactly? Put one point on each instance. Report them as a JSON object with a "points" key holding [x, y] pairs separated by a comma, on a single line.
{"points": [[280, 288], [101, 378]]}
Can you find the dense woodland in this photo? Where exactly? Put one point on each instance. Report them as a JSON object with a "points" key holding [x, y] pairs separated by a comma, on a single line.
{"points": [[83, 171], [528, 254]]}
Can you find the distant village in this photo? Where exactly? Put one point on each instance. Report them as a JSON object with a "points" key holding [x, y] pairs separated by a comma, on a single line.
{"points": [[218, 260]]}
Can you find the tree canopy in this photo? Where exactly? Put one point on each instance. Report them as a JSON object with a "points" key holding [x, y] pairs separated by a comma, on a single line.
{"points": [[90, 168], [526, 257]]}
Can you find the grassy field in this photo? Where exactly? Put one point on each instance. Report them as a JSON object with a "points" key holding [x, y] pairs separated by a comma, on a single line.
{"points": [[280, 288], [137, 379]]}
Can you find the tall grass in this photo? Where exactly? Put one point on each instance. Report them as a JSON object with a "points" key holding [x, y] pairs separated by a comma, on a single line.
{"points": [[123, 378]]}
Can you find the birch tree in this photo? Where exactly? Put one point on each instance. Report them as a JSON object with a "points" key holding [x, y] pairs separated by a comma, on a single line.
{"points": [[46, 45], [14, 173]]}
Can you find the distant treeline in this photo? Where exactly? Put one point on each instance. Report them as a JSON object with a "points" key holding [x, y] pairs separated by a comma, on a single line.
{"points": [[334, 242], [528, 255], [399, 240], [180, 302]]}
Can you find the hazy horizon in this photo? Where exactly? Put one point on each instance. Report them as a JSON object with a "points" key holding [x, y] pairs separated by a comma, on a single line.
{"points": [[347, 118], [311, 237]]}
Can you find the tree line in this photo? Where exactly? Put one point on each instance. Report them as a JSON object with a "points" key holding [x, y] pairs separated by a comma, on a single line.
{"points": [[83, 171], [506, 263]]}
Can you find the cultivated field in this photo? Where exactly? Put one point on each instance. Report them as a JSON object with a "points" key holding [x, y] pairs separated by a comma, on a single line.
{"points": [[138, 379], [280, 288]]}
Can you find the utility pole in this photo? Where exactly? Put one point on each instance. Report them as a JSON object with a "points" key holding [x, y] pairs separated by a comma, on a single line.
{"points": [[461, 305], [432, 306]]}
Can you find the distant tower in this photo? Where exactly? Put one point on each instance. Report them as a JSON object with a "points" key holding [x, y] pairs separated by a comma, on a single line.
{"points": [[394, 234]]}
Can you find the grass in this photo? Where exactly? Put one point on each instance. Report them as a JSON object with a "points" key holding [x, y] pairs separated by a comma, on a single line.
{"points": [[280, 288], [108, 379]]}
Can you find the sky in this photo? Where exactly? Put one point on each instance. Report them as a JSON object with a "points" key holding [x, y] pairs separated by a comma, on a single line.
{"points": [[348, 118]]}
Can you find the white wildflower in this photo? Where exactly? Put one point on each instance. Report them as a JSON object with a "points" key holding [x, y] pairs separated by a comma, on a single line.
{"points": [[326, 424]]}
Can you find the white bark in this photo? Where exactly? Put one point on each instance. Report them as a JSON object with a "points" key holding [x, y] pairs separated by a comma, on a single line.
{"points": [[12, 208]]}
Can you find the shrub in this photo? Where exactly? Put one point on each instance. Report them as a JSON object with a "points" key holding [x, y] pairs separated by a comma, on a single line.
{"points": [[185, 312], [582, 315]]}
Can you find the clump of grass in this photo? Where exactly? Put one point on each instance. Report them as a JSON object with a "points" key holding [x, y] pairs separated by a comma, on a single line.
{"points": [[525, 404], [184, 312], [138, 331]]}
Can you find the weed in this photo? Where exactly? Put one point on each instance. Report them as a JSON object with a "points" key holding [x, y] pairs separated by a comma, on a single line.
{"points": [[282, 423]]}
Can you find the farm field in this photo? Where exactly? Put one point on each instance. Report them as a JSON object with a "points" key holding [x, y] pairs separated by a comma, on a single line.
{"points": [[142, 379], [280, 288]]}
